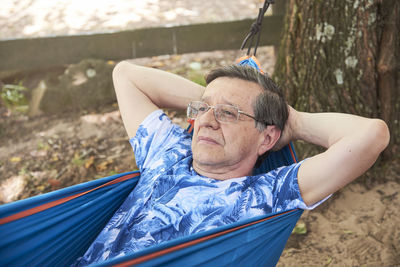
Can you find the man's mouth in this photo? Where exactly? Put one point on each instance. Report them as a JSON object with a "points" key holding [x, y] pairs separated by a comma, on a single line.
{"points": [[207, 140]]}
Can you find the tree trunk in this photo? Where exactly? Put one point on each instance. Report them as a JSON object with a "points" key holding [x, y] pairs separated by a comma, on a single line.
{"points": [[343, 56]]}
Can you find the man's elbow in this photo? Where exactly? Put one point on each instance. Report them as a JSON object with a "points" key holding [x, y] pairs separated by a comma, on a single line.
{"points": [[119, 69], [381, 135]]}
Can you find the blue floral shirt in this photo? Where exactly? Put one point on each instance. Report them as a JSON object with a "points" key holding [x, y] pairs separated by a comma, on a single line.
{"points": [[171, 200]]}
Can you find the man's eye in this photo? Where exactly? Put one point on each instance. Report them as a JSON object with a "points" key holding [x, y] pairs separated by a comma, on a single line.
{"points": [[228, 113], [202, 109]]}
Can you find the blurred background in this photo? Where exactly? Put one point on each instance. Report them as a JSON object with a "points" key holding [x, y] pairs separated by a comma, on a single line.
{"points": [[39, 18]]}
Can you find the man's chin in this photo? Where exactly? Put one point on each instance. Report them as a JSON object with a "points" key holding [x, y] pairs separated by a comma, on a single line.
{"points": [[205, 160], [208, 154]]}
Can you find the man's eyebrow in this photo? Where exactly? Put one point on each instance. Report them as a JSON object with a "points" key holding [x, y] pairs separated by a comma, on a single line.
{"points": [[225, 101], [229, 103], [207, 100]]}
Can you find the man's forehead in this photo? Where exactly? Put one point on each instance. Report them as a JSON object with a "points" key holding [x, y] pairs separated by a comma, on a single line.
{"points": [[231, 91], [221, 100]]}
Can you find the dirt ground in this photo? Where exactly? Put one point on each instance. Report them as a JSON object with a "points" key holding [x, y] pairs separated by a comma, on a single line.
{"points": [[358, 226]]}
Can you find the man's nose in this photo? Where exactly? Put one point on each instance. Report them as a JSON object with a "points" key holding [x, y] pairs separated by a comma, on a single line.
{"points": [[208, 119]]}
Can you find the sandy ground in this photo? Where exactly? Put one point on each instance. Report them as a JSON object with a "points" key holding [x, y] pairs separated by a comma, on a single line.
{"points": [[358, 226]]}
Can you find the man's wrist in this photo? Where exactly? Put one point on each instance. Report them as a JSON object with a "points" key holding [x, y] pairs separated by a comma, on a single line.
{"points": [[293, 124]]}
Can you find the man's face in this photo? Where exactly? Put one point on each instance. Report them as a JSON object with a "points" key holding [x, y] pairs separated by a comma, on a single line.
{"points": [[223, 146]]}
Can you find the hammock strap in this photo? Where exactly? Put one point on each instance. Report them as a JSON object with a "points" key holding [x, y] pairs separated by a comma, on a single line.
{"points": [[255, 28]]}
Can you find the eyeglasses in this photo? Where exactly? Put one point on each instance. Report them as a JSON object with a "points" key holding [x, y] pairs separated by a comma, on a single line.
{"points": [[222, 112]]}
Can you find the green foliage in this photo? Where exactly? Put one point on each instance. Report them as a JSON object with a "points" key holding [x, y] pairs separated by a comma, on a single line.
{"points": [[194, 73], [43, 146], [24, 170], [197, 77], [13, 97], [77, 160]]}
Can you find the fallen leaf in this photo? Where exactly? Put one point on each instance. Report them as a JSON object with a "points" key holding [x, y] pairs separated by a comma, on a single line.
{"points": [[12, 188], [157, 64], [89, 162], [15, 159], [40, 188], [300, 229], [38, 153], [54, 182], [104, 165], [176, 57], [328, 261]]}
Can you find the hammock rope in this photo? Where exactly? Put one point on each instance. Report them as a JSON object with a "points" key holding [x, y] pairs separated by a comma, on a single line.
{"points": [[255, 29]]}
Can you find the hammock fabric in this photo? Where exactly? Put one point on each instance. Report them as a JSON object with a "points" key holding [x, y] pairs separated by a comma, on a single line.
{"points": [[56, 228]]}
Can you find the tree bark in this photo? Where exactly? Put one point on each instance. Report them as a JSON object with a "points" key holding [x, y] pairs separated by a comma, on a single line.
{"points": [[343, 56]]}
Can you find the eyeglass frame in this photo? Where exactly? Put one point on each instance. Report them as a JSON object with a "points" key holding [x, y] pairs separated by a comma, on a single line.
{"points": [[215, 115]]}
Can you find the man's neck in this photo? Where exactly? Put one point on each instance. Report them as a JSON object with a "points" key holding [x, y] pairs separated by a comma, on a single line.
{"points": [[222, 172]]}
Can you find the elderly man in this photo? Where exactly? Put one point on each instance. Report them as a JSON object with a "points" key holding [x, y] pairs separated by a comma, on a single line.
{"points": [[193, 184]]}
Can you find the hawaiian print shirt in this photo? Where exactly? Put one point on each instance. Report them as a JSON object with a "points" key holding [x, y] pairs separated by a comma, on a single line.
{"points": [[171, 200]]}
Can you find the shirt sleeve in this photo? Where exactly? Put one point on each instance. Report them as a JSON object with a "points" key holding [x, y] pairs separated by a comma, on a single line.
{"points": [[155, 135], [286, 191]]}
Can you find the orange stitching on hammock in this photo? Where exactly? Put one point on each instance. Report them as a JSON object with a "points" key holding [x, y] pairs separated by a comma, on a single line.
{"points": [[54, 203], [292, 153], [156, 254]]}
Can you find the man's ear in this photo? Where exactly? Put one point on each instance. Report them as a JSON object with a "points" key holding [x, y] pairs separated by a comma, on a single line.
{"points": [[269, 136]]}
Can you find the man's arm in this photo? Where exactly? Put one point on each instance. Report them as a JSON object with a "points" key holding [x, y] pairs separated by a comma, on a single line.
{"points": [[353, 144], [142, 90]]}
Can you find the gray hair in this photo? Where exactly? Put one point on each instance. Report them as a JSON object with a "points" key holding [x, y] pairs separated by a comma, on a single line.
{"points": [[269, 107]]}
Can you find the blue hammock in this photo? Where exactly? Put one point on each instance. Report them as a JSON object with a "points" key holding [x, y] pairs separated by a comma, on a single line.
{"points": [[56, 228]]}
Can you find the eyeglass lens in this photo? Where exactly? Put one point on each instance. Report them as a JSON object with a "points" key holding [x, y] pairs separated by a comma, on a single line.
{"points": [[223, 113]]}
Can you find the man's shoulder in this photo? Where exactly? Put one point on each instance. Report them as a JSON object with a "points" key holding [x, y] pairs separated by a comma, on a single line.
{"points": [[158, 125], [281, 178], [160, 142]]}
